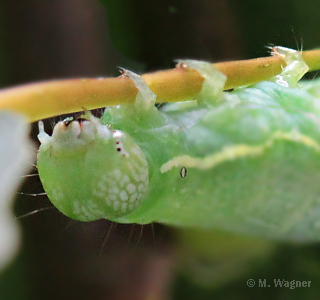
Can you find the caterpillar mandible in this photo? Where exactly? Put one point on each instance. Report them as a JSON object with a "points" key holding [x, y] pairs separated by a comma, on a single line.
{"points": [[246, 161]]}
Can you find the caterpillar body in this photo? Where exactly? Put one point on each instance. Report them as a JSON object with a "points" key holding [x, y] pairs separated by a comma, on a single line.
{"points": [[246, 161]]}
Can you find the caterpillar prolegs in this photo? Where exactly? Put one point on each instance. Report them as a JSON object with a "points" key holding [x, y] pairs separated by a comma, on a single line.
{"points": [[246, 161]]}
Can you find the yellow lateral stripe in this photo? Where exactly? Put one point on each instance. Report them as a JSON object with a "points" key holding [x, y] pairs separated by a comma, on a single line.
{"points": [[231, 153]]}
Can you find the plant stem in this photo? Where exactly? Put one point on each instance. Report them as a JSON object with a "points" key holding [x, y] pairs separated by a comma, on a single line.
{"points": [[50, 98]]}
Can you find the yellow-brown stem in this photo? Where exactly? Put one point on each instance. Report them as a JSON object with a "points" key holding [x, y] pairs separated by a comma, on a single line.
{"points": [[47, 99]]}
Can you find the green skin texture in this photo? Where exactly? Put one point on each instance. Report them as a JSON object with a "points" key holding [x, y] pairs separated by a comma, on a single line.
{"points": [[252, 158]]}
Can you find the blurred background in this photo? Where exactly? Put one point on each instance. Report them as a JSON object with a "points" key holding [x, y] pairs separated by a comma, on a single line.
{"points": [[65, 259]]}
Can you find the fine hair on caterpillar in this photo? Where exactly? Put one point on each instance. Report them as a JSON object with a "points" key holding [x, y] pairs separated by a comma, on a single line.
{"points": [[36, 211], [188, 164], [131, 236], [132, 239]]}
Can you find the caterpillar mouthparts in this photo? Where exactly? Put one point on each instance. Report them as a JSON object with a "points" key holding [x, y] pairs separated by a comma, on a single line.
{"points": [[90, 171]]}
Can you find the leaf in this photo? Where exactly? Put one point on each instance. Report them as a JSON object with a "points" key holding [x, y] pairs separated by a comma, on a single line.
{"points": [[16, 153]]}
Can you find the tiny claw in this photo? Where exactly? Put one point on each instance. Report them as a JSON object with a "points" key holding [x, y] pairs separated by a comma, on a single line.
{"points": [[181, 64], [129, 74], [122, 70]]}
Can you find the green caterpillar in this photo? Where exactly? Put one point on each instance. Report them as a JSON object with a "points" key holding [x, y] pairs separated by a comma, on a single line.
{"points": [[246, 161]]}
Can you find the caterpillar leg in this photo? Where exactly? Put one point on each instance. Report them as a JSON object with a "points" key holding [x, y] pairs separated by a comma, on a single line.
{"points": [[145, 99], [295, 69], [214, 81], [142, 111]]}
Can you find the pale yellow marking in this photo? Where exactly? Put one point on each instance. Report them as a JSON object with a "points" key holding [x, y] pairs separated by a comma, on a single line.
{"points": [[231, 153]]}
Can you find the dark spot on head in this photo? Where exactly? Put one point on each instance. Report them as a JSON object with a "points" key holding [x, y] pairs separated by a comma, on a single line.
{"points": [[117, 143], [81, 120], [183, 172], [118, 149], [68, 121]]}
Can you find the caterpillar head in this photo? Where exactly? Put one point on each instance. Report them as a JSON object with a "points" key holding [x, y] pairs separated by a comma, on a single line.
{"points": [[91, 172]]}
